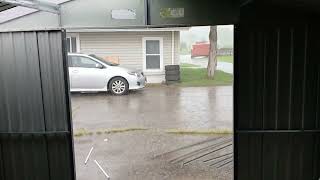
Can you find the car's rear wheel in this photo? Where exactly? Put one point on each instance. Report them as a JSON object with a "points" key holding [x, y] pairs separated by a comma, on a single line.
{"points": [[118, 86]]}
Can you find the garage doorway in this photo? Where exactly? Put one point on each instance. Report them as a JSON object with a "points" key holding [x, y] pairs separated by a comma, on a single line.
{"points": [[169, 129], [301, 142]]}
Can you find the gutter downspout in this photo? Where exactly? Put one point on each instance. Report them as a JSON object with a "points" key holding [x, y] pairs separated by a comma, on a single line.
{"points": [[172, 48], [60, 19]]}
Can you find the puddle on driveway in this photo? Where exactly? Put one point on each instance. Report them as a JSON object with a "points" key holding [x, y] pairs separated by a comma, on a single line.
{"points": [[156, 108]]}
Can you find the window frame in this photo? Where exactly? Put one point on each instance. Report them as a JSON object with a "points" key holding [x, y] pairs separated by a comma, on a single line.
{"points": [[72, 65], [144, 53], [74, 35]]}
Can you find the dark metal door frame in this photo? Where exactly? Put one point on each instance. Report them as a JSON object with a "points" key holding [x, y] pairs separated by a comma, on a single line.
{"points": [[276, 94], [36, 130]]}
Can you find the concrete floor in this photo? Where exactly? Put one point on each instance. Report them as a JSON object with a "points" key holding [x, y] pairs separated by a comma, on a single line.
{"points": [[143, 155], [152, 154]]}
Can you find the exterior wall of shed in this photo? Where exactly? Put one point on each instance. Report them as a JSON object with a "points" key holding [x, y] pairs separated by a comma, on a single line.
{"points": [[97, 13], [128, 47], [276, 94], [35, 126]]}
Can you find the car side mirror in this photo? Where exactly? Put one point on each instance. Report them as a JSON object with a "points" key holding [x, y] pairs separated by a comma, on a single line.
{"points": [[99, 66]]}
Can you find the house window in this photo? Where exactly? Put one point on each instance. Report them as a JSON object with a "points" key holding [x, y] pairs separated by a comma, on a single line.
{"points": [[73, 44], [153, 54]]}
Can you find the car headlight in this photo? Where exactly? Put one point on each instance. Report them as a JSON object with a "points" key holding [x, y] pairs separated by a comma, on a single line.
{"points": [[133, 73]]}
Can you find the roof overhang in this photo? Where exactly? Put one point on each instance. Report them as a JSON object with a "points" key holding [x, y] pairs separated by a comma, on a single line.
{"points": [[132, 29], [310, 5], [34, 4]]}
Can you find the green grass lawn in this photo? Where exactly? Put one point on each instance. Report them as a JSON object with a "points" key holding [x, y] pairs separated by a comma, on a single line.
{"points": [[187, 65], [198, 77], [228, 59]]}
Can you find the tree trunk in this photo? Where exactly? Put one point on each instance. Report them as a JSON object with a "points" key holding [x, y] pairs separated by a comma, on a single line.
{"points": [[212, 62]]}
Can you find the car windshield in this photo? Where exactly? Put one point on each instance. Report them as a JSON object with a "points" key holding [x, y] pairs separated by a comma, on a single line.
{"points": [[104, 60]]}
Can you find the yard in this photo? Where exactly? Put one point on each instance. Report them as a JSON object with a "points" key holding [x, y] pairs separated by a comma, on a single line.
{"points": [[194, 73], [228, 59], [198, 77]]}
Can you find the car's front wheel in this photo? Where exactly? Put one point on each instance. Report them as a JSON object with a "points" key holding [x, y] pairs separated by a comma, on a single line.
{"points": [[119, 86]]}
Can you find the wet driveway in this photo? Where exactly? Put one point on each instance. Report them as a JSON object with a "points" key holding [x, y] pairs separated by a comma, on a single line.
{"points": [[156, 108], [154, 153]]}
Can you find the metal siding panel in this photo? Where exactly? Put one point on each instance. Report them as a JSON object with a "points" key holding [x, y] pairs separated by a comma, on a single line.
{"points": [[258, 78], [33, 88], [307, 162], [311, 78], [60, 168], [283, 157], [251, 79], [278, 156], [8, 76], [297, 77], [270, 157], [242, 157], [243, 74], [23, 156], [52, 79], [318, 100], [22, 107], [296, 158], [277, 82], [290, 83], [5, 6], [205, 12], [255, 156], [283, 85], [270, 103], [9, 159], [2, 170], [33, 78], [316, 159]]}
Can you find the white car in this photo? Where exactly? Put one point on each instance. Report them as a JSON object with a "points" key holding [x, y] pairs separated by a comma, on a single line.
{"points": [[92, 73]]}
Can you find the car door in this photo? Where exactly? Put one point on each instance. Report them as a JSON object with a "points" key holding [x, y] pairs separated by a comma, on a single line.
{"points": [[87, 74]]}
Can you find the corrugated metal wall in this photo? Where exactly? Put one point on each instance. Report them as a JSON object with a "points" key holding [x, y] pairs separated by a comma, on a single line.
{"points": [[277, 95], [35, 126]]}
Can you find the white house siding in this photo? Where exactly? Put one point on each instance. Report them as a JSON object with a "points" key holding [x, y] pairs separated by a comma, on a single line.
{"points": [[128, 47], [177, 47]]}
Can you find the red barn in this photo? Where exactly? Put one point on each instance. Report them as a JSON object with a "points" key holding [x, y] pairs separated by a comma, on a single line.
{"points": [[200, 49]]}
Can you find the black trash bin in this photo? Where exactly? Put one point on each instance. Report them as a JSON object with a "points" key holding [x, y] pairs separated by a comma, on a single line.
{"points": [[172, 74]]}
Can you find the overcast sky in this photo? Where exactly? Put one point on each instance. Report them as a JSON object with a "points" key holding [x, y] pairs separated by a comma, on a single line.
{"points": [[201, 33]]}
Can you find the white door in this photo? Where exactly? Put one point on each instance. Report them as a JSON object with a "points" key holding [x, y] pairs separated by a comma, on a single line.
{"points": [[152, 54], [87, 74]]}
